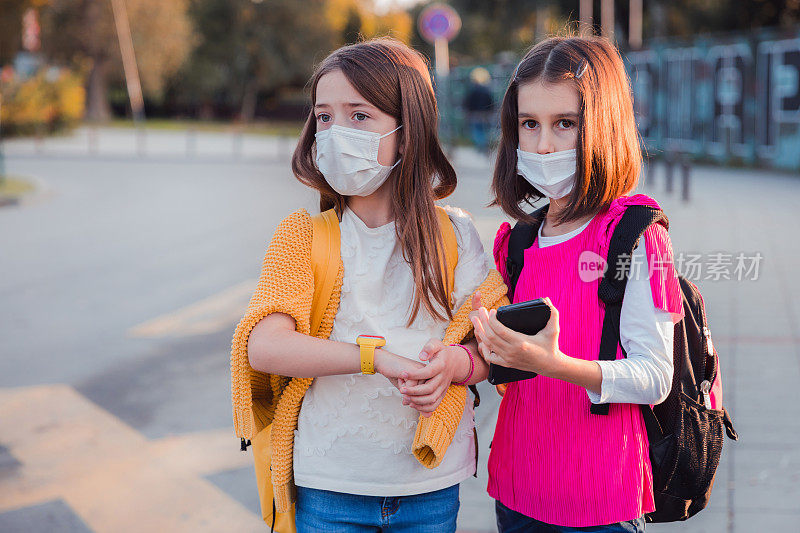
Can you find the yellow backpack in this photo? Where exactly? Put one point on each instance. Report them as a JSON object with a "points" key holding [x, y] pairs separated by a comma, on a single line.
{"points": [[325, 260]]}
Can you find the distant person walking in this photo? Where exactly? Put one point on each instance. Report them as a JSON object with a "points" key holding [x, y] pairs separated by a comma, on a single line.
{"points": [[479, 105]]}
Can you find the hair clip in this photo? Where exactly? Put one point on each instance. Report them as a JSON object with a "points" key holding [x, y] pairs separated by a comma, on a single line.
{"points": [[516, 70], [582, 69]]}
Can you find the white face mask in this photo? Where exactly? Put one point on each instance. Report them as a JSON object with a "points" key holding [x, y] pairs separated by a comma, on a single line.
{"points": [[552, 174], [348, 158]]}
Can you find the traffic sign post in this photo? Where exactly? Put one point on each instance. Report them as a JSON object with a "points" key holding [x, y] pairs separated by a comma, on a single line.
{"points": [[439, 24], [2, 160], [442, 57]]}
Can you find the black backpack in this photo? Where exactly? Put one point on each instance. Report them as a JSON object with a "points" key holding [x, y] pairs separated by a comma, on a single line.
{"points": [[685, 437]]}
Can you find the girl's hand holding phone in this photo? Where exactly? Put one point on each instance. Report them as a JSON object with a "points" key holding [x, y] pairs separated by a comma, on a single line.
{"points": [[505, 347]]}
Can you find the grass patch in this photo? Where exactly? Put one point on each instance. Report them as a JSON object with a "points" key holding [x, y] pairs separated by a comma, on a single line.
{"points": [[274, 128], [14, 187]]}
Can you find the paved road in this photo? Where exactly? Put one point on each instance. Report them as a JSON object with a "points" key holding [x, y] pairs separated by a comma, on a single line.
{"points": [[121, 283]]}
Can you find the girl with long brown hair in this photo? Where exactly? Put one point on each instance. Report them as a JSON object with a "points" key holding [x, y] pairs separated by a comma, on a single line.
{"points": [[558, 462], [370, 148]]}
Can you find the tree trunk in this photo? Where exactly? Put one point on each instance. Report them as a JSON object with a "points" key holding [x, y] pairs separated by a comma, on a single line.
{"points": [[249, 99], [658, 19], [97, 106]]}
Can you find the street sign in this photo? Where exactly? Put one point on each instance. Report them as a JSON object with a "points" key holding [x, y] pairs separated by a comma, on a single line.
{"points": [[439, 21], [439, 24]]}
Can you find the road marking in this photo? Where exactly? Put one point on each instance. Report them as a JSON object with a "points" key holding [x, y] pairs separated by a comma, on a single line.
{"points": [[108, 473], [209, 315], [753, 339]]}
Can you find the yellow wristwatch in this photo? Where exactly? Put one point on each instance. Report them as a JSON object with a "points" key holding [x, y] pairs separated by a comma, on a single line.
{"points": [[368, 343]]}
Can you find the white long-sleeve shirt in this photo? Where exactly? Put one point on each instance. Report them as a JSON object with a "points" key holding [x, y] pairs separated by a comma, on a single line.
{"points": [[646, 334]]}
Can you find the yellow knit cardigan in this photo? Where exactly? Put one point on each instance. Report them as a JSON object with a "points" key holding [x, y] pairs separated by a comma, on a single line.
{"points": [[286, 286]]}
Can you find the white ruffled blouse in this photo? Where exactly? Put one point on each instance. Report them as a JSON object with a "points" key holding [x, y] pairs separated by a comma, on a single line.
{"points": [[354, 434]]}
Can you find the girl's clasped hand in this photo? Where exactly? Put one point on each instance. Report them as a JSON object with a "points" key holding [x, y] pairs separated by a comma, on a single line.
{"points": [[424, 388]]}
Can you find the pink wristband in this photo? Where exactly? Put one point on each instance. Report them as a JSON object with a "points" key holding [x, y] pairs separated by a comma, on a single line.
{"points": [[471, 366]]}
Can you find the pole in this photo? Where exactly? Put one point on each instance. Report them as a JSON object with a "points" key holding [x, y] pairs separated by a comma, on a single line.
{"points": [[542, 22], [442, 57], [585, 15], [670, 167], [658, 16], [237, 140], [650, 174], [607, 18], [442, 68], [635, 25], [2, 158], [128, 59], [685, 181], [191, 142]]}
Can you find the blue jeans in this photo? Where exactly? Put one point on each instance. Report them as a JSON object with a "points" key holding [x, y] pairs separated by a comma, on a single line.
{"points": [[510, 521], [336, 512]]}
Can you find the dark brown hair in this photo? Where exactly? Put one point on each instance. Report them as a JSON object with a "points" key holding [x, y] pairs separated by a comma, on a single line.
{"points": [[395, 79], [608, 150]]}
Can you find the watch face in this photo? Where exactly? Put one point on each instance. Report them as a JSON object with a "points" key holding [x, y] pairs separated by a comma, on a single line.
{"points": [[375, 340]]}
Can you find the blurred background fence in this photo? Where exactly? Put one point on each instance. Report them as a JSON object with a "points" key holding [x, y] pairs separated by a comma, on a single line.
{"points": [[715, 81], [729, 99]]}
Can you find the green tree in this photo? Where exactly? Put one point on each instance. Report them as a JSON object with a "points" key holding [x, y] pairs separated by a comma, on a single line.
{"points": [[246, 48], [10, 28], [82, 32], [354, 19], [686, 18], [283, 39], [11, 12], [493, 26], [352, 28]]}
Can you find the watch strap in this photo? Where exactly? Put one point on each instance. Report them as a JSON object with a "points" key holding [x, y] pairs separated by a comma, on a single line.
{"points": [[367, 359]]}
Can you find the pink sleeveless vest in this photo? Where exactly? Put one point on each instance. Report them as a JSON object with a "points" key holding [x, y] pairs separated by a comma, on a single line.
{"points": [[550, 458]]}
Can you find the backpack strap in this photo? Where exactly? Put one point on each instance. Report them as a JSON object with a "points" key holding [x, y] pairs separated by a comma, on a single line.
{"points": [[626, 236], [325, 260], [449, 259], [450, 262], [635, 220], [326, 250], [521, 238]]}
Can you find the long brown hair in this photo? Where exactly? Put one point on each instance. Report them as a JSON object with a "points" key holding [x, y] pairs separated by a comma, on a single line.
{"points": [[608, 150], [395, 79]]}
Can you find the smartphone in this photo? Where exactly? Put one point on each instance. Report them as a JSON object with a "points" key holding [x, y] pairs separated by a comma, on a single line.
{"points": [[525, 317]]}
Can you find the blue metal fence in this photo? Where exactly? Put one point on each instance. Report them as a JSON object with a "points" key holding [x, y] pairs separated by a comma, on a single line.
{"points": [[732, 99]]}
